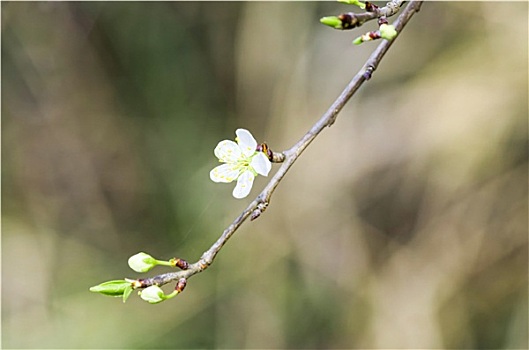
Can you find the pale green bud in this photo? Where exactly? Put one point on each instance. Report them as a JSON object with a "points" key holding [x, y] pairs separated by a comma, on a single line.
{"points": [[387, 31], [142, 262], [354, 2], [332, 21], [153, 294], [358, 41]]}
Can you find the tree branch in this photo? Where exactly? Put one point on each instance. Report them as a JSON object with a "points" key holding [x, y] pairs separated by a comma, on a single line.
{"points": [[351, 20], [258, 205]]}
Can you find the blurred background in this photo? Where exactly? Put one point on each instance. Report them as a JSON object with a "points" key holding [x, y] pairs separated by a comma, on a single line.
{"points": [[402, 226]]}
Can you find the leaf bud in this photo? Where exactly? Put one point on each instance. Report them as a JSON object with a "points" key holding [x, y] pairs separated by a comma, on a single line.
{"points": [[180, 263], [354, 2], [114, 288], [332, 21], [180, 285]]}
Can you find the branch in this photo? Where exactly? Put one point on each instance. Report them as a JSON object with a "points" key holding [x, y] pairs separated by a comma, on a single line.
{"points": [[143, 262], [352, 20], [288, 157]]}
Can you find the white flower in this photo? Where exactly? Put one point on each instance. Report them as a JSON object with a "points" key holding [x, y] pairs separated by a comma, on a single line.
{"points": [[242, 163]]}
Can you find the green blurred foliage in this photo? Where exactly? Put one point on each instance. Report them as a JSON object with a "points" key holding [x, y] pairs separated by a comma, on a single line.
{"points": [[402, 226]]}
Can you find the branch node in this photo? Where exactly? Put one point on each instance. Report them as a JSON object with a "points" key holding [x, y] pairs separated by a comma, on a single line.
{"points": [[332, 118], [180, 285], [180, 263], [274, 157], [349, 20], [277, 157], [261, 207], [370, 7], [204, 263], [368, 72]]}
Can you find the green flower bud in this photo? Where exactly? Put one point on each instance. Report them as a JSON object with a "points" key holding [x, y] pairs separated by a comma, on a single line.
{"points": [[115, 288], [358, 41], [387, 31], [332, 21], [153, 294], [142, 262], [354, 2]]}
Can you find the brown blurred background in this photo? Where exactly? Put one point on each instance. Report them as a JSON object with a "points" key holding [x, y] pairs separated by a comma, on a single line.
{"points": [[402, 226]]}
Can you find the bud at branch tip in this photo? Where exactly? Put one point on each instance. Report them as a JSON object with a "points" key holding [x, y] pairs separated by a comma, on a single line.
{"points": [[332, 21], [354, 2]]}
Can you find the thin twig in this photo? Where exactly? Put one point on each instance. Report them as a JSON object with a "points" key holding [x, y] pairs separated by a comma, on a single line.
{"points": [[351, 20], [258, 205]]}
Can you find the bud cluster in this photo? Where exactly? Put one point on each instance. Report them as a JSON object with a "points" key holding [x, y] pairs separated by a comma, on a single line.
{"points": [[352, 20], [150, 289]]}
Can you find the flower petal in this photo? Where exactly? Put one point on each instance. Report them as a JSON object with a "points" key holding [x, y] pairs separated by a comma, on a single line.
{"points": [[224, 173], [246, 142], [244, 185], [261, 164], [228, 151]]}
